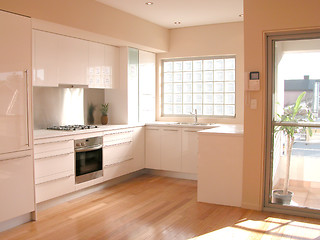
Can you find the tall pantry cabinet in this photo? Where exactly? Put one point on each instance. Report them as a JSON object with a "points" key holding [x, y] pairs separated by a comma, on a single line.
{"points": [[16, 142]]}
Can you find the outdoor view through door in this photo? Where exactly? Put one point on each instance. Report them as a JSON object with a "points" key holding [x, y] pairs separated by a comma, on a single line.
{"points": [[293, 156]]}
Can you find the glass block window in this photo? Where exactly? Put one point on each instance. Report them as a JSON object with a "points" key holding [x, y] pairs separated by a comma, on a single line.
{"points": [[206, 84]]}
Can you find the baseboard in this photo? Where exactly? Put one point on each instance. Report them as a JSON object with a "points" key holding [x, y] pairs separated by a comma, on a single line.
{"points": [[14, 222], [68, 197], [251, 206], [188, 176]]}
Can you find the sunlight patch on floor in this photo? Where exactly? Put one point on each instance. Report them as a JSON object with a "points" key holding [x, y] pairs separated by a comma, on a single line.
{"points": [[270, 228]]}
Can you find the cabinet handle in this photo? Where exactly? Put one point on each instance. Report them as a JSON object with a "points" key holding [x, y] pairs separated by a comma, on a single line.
{"points": [[53, 142], [152, 129], [171, 130], [57, 155], [14, 158], [191, 131], [108, 165], [56, 179], [118, 133], [27, 107], [116, 144]]}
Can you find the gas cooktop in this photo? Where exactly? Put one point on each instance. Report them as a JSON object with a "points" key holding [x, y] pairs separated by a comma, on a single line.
{"points": [[72, 127]]}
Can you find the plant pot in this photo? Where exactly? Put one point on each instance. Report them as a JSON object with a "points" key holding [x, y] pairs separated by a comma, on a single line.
{"points": [[104, 120], [280, 198]]}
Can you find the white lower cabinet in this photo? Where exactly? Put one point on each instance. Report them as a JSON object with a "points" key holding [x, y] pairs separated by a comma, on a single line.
{"points": [[171, 149], [123, 153], [153, 148], [189, 150], [54, 168], [16, 185]]}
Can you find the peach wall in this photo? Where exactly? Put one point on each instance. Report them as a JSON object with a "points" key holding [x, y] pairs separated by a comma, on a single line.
{"points": [[208, 40], [261, 17], [92, 16]]}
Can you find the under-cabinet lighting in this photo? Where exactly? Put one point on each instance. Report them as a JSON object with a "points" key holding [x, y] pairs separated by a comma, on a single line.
{"points": [[149, 3]]}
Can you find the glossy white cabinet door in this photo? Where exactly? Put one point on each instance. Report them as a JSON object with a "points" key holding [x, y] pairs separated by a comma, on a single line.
{"points": [[153, 148], [96, 65], [111, 70], [45, 59], [138, 148], [171, 149], [189, 163], [72, 60], [16, 186], [15, 87]]}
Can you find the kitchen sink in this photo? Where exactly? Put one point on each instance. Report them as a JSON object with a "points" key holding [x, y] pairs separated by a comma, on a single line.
{"points": [[194, 124]]}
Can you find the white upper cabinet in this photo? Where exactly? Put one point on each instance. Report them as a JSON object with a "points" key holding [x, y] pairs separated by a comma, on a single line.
{"points": [[72, 60], [111, 70], [65, 60], [96, 64], [45, 59]]}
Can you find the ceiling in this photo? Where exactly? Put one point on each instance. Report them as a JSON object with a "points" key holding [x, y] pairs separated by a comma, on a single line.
{"points": [[188, 12]]}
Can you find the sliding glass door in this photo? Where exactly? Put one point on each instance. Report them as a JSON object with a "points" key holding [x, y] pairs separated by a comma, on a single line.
{"points": [[293, 123]]}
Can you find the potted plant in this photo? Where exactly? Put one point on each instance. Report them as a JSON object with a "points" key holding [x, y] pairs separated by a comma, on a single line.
{"points": [[90, 118], [104, 111], [293, 114]]}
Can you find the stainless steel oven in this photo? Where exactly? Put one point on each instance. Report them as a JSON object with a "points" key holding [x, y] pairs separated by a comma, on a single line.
{"points": [[88, 159]]}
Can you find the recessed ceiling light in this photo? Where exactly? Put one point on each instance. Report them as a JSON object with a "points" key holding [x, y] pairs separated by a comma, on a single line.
{"points": [[149, 3], [177, 22]]}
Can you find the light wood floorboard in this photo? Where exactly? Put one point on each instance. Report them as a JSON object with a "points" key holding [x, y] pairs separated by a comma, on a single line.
{"points": [[153, 207]]}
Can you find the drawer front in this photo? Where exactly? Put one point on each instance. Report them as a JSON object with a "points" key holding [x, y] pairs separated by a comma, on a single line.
{"points": [[116, 153], [54, 188], [117, 170], [117, 136], [53, 148], [51, 166]]}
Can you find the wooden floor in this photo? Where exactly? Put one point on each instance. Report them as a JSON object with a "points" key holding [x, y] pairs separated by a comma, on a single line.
{"points": [[152, 207]]}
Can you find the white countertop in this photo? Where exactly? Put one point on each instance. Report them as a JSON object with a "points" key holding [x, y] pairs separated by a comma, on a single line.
{"points": [[180, 125], [234, 129], [44, 133]]}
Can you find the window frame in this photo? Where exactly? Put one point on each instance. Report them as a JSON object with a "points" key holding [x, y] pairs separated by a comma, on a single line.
{"points": [[233, 56]]}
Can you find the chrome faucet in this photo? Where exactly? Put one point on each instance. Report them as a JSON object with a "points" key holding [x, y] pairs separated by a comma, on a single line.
{"points": [[195, 116]]}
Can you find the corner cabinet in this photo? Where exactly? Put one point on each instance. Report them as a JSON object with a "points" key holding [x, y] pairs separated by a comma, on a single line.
{"points": [[59, 59], [172, 149]]}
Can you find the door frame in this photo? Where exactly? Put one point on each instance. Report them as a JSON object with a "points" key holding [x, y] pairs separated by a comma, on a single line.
{"points": [[270, 39]]}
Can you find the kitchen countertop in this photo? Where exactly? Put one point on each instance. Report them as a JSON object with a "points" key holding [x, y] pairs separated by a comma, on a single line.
{"points": [[233, 129], [44, 133], [180, 125]]}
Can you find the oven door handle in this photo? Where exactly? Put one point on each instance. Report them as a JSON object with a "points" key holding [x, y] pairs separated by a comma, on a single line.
{"points": [[87, 149]]}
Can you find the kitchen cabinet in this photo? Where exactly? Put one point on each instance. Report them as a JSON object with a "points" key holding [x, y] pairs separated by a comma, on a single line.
{"points": [[111, 70], [66, 60], [138, 148], [17, 190], [45, 59], [103, 67], [171, 149], [16, 143], [117, 151], [54, 168], [96, 64], [153, 147], [72, 60], [189, 150]]}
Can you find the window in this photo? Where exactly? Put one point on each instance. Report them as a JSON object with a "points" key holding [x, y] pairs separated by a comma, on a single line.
{"points": [[206, 84]]}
